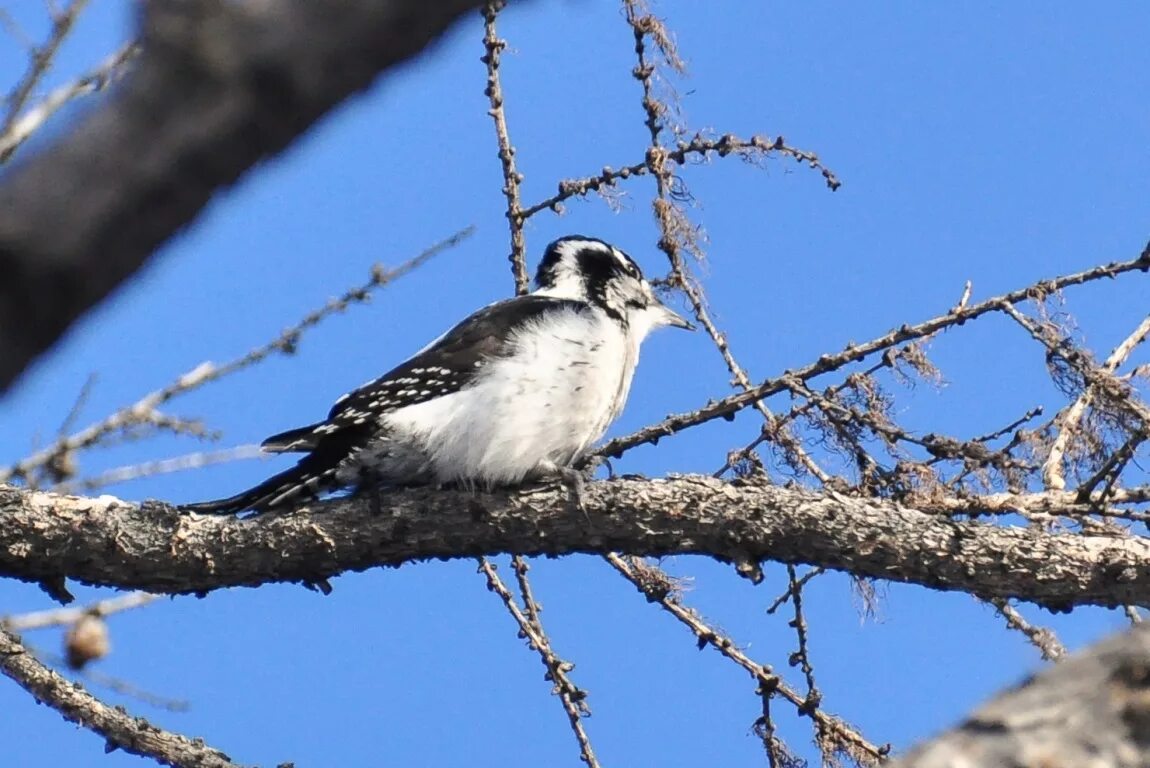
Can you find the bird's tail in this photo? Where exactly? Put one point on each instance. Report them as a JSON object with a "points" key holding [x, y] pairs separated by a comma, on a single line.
{"points": [[304, 480]]}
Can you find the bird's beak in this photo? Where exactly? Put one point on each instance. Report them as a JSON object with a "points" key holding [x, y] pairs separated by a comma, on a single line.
{"points": [[668, 316]]}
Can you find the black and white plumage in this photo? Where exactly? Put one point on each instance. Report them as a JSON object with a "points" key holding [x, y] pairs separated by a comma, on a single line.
{"points": [[516, 392]]}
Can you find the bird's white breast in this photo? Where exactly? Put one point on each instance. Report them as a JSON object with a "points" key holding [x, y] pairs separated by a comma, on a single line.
{"points": [[544, 404]]}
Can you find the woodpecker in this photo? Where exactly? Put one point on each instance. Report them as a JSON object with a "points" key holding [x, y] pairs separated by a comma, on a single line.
{"points": [[517, 392]]}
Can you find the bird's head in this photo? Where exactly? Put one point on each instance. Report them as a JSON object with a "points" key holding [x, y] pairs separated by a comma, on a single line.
{"points": [[588, 269]]}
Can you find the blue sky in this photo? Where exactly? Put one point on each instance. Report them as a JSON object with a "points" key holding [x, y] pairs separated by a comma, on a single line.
{"points": [[993, 144]]}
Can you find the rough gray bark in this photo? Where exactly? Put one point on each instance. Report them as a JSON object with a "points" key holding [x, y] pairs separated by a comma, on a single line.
{"points": [[1090, 711], [218, 87], [46, 538]]}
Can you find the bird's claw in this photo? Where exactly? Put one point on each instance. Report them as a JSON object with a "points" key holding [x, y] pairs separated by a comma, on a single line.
{"points": [[576, 484]]}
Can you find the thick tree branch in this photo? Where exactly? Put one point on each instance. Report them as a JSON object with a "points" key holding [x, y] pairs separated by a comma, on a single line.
{"points": [[45, 538], [122, 731], [218, 87], [1091, 710]]}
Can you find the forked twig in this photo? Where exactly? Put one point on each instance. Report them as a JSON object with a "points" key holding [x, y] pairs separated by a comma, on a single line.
{"points": [[40, 60], [1068, 420], [21, 129], [571, 696], [846, 738]]}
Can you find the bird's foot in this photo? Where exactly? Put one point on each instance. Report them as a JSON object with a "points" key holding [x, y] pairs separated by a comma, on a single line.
{"points": [[576, 483]]}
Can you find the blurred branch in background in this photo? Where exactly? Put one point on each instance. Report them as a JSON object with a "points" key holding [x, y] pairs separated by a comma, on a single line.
{"points": [[202, 87], [40, 60], [20, 130], [1089, 710]]}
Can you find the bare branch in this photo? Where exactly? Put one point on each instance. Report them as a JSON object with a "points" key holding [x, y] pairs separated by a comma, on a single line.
{"points": [[1068, 421], [124, 688], [45, 538], [801, 656], [39, 62], [701, 148], [1042, 638], [59, 616], [842, 737], [675, 234], [134, 735], [572, 697], [493, 50], [1101, 381], [1050, 503], [97, 80], [183, 463]]}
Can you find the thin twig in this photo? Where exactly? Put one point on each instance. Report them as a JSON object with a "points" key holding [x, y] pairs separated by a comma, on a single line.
{"points": [[848, 740], [1112, 468], [799, 624], [188, 461], [671, 219], [69, 421], [1104, 383], [1052, 470], [60, 616], [512, 178], [19, 130], [700, 147], [520, 565], [134, 735], [937, 446], [40, 61], [1030, 415], [792, 585], [571, 696], [115, 684], [1042, 638]]}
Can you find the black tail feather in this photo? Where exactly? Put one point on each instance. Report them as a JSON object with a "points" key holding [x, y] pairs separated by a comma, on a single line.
{"points": [[298, 440], [290, 485]]}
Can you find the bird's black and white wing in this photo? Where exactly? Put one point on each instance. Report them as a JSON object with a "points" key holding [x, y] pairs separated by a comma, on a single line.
{"points": [[450, 364]]}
